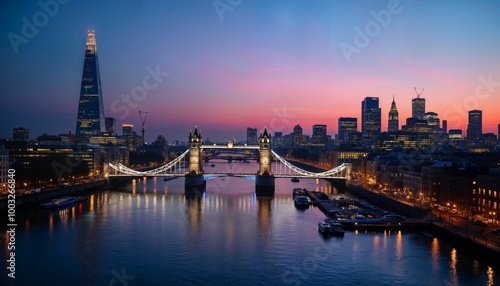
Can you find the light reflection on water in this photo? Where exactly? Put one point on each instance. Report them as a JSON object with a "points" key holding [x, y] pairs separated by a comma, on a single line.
{"points": [[150, 230]]}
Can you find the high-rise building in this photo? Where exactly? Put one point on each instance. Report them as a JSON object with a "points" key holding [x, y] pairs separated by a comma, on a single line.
{"points": [[298, 137], [418, 108], [475, 126], [455, 135], [90, 121], [319, 134], [347, 128], [393, 124], [133, 140], [370, 120], [252, 136], [432, 120], [21, 134], [445, 126], [110, 126], [278, 139], [498, 134]]}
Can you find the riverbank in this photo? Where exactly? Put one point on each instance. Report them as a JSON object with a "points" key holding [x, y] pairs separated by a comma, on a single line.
{"points": [[36, 199]]}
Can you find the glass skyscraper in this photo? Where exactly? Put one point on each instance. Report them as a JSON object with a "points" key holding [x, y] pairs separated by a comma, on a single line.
{"points": [[475, 126], [418, 108], [370, 120], [90, 121]]}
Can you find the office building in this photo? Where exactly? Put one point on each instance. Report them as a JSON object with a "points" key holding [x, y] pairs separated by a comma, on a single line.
{"points": [[418, 108], [90, 121], [252, 136], [347, 127], [475, 126], [432, 119], [21, 134], [370, 120], [319, 135], [110, 123]]}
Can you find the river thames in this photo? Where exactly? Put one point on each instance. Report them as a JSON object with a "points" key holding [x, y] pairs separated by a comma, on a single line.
{"points": [[150, 233]]}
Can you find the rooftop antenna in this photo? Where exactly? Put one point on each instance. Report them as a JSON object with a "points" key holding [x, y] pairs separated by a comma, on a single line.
{"points": [[143, 122]]}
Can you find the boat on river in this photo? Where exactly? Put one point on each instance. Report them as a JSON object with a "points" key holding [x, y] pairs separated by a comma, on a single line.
{"points": [[62, 202]]}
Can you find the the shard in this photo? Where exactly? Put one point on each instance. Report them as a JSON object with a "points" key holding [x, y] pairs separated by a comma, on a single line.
{"points": [[91, 120]]}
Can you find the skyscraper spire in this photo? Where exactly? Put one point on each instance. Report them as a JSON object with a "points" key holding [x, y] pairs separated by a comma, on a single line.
{"points": [[90, 121], [393, 124]]}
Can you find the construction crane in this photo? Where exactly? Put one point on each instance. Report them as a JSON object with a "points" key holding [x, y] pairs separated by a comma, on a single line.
{"points": [[143, 122], [417, 91]]}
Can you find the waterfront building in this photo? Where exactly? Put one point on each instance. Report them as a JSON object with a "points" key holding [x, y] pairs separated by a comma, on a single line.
{"points": [[486, 198], [90, 120], [4, 169], [50, 161]]}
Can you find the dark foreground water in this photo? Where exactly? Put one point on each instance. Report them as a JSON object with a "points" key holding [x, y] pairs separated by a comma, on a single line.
{"points": [[150, 233]]}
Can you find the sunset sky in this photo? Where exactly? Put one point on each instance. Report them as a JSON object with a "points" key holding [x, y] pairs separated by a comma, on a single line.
{"points": [[227, 65]]}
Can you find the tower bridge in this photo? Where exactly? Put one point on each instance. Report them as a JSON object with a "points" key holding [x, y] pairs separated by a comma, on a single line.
{"points": [[190, 166]]}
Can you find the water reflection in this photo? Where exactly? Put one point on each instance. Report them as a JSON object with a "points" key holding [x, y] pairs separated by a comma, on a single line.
{"points": [[435, 254], [490, 274], [453, 267]]}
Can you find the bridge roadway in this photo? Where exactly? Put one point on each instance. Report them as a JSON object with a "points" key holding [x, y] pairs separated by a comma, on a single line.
{"points": [[220, 175]]}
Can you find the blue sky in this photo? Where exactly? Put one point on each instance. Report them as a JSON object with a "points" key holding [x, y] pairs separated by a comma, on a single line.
{"points": [[255, 64]]}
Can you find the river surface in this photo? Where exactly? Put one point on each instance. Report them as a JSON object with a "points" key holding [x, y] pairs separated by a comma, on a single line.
{"points": [[150, 233]]}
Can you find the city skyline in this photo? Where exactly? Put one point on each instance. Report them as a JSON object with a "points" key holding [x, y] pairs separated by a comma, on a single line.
{"points": [[224, 71]]}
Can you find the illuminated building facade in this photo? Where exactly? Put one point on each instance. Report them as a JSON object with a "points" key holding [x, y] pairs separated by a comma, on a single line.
{"points": [[370, 120], [432, 120], [418, 108], [298, 137], [347, 127], [90, 121], [21, 134], [252, 136], [51, 159], [475, 126], [319, 136], [393, 124], [4, 169], [486, 197]]}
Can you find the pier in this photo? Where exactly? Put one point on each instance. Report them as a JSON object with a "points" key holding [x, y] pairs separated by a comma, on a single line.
{"points": [[351, 214]]}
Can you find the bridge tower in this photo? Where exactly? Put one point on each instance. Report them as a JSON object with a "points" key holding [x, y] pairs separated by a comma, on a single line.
{"points": [[194, 177], [264, 182]]}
